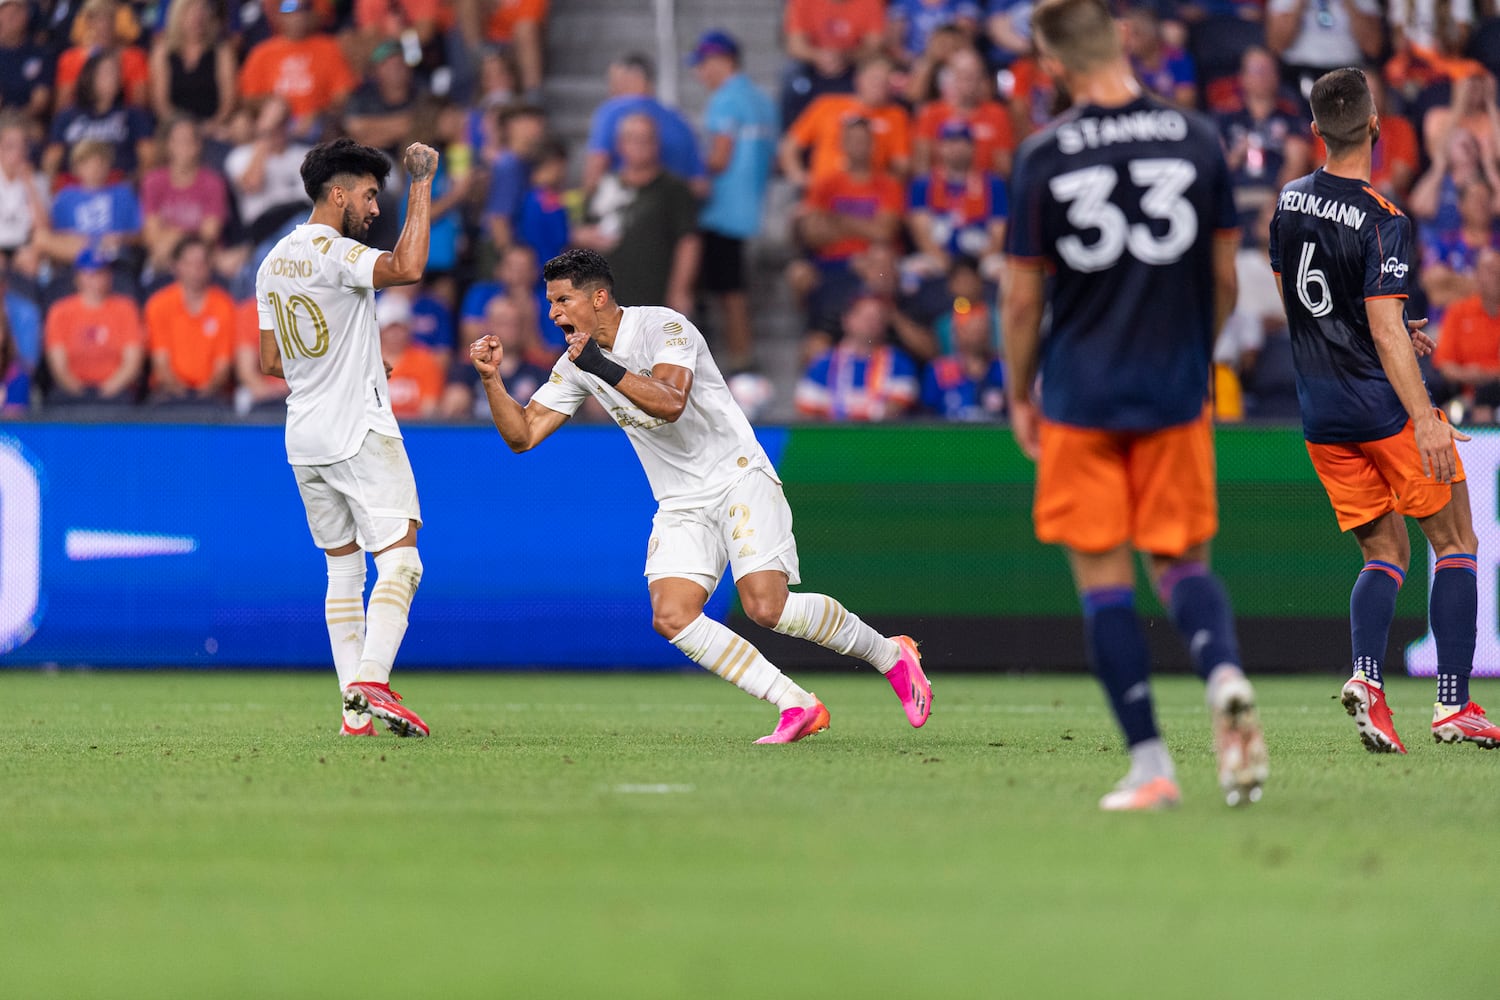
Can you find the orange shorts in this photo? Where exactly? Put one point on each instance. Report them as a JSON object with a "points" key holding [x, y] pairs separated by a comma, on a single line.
{"points": [[1369, 479], [1098, 489]]}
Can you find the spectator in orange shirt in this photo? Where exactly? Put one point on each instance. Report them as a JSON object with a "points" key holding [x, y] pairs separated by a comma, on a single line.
{"points": [[257, 391], [93, 339], [825, 38], [965, 89], [98, 18], [518, 25], [416, 377], [300, 64], [813, 147], [1468, 351], [844, 212], [190, 326]]}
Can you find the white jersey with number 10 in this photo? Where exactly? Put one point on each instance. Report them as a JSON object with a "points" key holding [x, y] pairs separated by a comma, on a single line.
{"points": [[315, 292]]}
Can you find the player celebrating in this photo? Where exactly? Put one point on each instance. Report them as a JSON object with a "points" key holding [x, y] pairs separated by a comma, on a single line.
{"points": [[1126, 201], [1379, 446], [718, 497], [316, 296]]}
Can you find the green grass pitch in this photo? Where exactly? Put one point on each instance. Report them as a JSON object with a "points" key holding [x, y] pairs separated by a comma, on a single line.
{"points": [[180, 835]]}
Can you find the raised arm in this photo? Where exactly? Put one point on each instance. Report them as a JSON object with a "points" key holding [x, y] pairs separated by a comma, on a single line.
{"points": [[522, 427], [408, 258]]}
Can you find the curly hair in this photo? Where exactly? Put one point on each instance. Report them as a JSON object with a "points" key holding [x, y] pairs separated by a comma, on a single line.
{"points": [[584, 268], [343, 157]]}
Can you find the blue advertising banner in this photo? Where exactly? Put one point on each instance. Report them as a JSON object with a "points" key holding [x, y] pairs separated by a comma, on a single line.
{"points": [[169, 545]]}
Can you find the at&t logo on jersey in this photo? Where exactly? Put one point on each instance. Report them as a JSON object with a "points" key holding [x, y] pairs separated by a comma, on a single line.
{"points": [[1395, 267]]}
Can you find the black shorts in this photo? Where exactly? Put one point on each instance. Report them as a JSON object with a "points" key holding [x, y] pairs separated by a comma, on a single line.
{"points": [[723, 268]]}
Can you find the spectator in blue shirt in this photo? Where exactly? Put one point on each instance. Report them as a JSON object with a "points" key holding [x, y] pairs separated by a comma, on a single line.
{"points": [[523, 129], [92, 212], [1163, 69], [967, 382], [26, 69], [517, 277], [631, 80], [912, 22], [740, 122], [23, 318], [543, 222]]}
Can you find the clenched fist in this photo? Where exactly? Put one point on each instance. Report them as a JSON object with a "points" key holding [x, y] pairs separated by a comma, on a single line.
{"points": [[420, 161]]}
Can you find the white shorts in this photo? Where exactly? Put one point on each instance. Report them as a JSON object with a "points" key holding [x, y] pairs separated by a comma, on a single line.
{"points": [[749, 527], [367, 499]]}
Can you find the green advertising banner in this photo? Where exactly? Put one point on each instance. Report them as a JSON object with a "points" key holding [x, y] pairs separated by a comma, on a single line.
{"points": [[929, 526]]}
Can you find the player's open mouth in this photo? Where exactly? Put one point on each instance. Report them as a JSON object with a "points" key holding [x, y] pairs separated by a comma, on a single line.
{"points": [[566, 328]]}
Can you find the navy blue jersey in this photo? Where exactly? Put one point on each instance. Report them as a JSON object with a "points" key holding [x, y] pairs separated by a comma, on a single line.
{"points": [[1121, 205], [1335, 244]]}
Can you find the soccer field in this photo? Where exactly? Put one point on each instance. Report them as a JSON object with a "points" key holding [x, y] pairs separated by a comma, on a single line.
{"points": [[177, 835]]}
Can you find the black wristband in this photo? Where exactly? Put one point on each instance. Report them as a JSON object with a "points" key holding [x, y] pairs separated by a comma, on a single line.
{"points": [[593, 361]]}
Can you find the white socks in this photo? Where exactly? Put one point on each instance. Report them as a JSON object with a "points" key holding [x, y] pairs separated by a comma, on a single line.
{"points": [[1149, 759], [398, 571], [717, 648], [828, 623], [344, 610]]}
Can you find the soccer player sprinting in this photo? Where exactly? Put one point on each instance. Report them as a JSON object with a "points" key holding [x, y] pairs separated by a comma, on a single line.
{"points": [[1122, 223], [315, 292], [1382, 451], [719, 500]]}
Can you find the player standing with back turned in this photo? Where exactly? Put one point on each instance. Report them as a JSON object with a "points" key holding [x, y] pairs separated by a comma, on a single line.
{"points": [[315, 292], [1125, 201], [1382, 450]]}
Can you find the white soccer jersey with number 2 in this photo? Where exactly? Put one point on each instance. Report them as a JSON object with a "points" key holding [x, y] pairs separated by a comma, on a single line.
{"points": [[315, 291], [692, 459]]}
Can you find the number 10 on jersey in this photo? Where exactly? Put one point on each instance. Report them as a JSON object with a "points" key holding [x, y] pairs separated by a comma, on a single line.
{"points": [[289, 330]]}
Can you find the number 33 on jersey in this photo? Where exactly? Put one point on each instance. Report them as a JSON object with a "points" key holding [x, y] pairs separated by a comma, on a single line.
{"points": [[1120, 206]]}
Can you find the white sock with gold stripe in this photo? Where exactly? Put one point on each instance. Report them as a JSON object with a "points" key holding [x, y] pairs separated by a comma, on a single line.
{"points": [[828, 623], [397, 573], [716, 648], [344, 610]]}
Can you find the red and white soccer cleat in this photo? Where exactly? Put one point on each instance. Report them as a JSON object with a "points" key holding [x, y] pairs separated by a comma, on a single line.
{"points": [[383, 703], [357, 724], [1148, 796], [1468, 724], [910, 683], [798, 723], [1372, 716], [1239, 743]]}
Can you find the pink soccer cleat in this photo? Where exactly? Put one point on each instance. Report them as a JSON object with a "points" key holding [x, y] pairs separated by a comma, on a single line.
{"points": [[357, 724], [798, 723], [383, 703], [1372, 716], [910, 683], [1148, 796], [1468, 724]]}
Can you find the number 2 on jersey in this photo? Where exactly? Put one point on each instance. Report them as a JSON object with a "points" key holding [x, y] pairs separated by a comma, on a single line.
{"points": [[288, 329], [1086, 193], [1310, 279]]}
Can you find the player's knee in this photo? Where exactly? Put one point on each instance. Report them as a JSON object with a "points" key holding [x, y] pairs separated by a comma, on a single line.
{"points": [[764, 609], [669, 620]]}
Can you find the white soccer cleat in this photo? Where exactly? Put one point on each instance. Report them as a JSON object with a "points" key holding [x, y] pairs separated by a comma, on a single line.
{"points": [[1239, 743]]}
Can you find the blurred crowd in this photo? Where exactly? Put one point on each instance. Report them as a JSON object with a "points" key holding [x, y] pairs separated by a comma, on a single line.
{"points": [[149, 155]]}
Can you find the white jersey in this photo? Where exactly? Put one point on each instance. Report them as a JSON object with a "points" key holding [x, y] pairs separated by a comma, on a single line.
{"points": [[692, 459], [315, 291]]}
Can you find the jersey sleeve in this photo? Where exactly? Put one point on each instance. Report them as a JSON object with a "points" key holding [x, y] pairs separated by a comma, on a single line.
{"points": [[1023, 237], [355, 262], [1388, 258], [1275, 246], [560, 392], [673, 340]]}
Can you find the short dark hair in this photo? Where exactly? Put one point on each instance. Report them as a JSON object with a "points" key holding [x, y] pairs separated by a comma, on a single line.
{"points": [[584, 268], [641, 63], [1341, 107], [188, 242], [341, 158]]}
